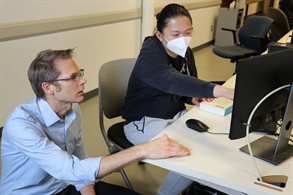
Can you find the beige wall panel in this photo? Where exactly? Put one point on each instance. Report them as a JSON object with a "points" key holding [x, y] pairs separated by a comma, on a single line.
{"points": [[27, 10], [188, 3]]}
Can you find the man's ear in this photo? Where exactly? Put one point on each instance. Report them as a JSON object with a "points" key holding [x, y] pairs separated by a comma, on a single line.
{"points": [[47, 88]]}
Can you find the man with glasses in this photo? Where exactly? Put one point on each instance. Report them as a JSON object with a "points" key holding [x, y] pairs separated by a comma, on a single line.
{"points": [[42, 147]]}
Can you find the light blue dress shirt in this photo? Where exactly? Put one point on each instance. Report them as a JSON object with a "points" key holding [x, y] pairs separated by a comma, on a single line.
{"points": [[42, 154]]}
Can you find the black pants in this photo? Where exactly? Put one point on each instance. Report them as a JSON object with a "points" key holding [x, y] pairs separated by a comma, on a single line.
{"points": [[101, 188]]}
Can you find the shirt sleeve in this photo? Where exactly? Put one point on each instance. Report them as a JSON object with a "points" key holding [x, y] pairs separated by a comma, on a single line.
{"points": [[28, 136]]}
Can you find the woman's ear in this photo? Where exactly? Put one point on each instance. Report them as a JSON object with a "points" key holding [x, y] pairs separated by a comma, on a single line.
{"points": [[158, 34]]}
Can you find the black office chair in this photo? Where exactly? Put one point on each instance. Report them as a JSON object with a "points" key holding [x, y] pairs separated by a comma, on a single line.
{"points": [[252, 38], [287, 7], [113, 81], [280, 25]]}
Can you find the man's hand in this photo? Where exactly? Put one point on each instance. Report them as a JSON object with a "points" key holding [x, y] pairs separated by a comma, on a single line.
{"points": [[164, 147], [88, 190]]}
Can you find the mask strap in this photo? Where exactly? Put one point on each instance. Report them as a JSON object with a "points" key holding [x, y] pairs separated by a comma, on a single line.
{"points": [[186, 66], [165, 38]]}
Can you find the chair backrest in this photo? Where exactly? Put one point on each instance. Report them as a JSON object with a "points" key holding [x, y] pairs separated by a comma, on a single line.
{"points": [[287, 7], [280, 25], [255, 26], [113, 82]]}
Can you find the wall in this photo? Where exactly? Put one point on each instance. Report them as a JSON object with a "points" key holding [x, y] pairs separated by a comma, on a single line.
{"points": [[99, 31], [94, 45], [28, 10]]}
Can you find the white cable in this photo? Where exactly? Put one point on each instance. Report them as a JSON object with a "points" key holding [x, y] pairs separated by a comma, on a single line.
{"points": [[248, 126]]}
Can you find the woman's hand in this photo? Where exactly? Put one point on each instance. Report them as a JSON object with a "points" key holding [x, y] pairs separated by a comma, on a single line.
{"points": [[220, 91], [196, 101]]}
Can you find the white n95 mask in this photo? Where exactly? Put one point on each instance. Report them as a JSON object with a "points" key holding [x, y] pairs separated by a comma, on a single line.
{"points": [[178, 45]]}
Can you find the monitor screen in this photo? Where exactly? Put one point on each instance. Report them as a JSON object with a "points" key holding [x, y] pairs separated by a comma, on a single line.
{"points": [[256, 77]]}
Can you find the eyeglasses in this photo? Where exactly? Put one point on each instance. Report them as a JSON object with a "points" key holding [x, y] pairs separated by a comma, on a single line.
{"points": [[74, 77]]}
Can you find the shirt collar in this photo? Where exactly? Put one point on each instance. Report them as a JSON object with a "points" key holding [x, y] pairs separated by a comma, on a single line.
{"points": [[49, 116]]}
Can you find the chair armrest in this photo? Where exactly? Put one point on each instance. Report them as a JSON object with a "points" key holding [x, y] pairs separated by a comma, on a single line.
{"points": [[263, 41], [234, 33], [228, 29]]}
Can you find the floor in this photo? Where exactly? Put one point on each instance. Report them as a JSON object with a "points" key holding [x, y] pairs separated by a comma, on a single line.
{"points": [[146, 178], [211, 67]]}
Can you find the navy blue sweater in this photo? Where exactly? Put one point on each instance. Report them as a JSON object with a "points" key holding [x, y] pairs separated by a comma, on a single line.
{"points": [[159, 85]]}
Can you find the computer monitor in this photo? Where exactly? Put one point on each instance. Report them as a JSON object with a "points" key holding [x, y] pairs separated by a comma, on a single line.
{"points": [[256, 77]]}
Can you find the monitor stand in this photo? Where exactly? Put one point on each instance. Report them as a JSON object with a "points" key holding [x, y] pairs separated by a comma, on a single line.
{"points": [[274, 150]]}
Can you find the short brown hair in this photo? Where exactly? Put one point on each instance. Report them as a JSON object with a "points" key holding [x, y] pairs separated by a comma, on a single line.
{"points": [[43, 68]]}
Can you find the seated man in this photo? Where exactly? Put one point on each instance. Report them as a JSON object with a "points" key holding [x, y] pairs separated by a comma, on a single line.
{"points": [[42, 147]]}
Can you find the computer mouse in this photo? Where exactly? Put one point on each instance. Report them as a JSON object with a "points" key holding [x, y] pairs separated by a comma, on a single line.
{"points": [[196, 125]]}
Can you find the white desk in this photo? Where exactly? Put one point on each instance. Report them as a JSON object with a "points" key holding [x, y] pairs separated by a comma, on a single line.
{"points": [[217, 161]]}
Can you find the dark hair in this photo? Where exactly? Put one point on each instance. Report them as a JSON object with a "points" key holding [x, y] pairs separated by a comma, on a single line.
{"points": [[168, 12], [43, 68]]}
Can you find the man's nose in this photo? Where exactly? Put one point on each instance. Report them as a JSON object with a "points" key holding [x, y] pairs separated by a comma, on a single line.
{"points": [[82, 81]]}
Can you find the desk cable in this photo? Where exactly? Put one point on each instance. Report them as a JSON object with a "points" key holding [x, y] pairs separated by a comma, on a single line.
{"points": [[248, 126]]}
